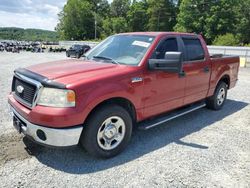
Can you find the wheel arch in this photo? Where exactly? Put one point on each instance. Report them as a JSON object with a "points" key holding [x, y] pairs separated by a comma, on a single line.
{"points": [[225, 78], [121, 101]]}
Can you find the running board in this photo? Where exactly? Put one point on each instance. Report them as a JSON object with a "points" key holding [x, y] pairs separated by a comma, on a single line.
{"points": [[144, 125]]}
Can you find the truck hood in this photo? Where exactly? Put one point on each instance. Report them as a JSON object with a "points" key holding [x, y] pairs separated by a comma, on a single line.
{"points": [[58, 69], [70, 71]]}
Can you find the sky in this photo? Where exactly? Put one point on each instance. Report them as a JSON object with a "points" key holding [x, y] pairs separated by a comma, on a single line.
{"points": [[39, 14]]}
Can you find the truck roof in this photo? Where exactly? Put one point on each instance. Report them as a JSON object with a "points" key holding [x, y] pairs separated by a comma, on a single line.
{"points": [[158, 33]]}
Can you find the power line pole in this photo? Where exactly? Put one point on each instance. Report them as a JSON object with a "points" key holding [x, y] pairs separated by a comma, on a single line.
{"points": [[96, 8], [95, 25]]}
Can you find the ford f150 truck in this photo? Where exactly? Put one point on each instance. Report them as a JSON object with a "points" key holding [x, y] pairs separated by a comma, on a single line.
{"points": [[129, 80]]}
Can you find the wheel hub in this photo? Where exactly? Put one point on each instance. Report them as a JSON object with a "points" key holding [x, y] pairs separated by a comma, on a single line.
{"points": [[221, 96], [110, 131]]}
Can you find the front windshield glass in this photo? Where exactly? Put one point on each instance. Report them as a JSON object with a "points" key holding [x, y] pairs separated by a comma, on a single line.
{"points": [[121, 49], [76, 46]]}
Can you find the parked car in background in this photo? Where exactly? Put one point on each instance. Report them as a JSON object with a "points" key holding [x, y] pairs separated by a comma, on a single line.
{"points": [[77, 50], [1, 47], [129, 80], [37, 50]]}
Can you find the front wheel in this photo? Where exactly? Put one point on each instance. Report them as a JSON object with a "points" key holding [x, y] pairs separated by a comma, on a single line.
{"points": [[216, 101], [107, 132]]}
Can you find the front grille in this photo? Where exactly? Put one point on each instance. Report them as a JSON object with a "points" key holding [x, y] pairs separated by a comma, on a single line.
{"points": [[28, 93]]}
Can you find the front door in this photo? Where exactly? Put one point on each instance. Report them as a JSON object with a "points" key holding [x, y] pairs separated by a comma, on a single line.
{"points": [[163, 91]]}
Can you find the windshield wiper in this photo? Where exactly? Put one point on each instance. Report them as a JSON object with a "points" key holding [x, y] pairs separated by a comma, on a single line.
{"points": [[107, 58]]}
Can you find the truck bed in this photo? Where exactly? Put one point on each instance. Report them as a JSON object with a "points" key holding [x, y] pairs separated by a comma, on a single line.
{"points": [[224, 64]]}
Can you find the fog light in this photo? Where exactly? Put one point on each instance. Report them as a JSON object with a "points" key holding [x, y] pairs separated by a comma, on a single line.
{"points": [[40, 134]]}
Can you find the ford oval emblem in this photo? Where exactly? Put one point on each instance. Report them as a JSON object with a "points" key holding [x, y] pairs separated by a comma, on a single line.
{"points": [[19, 89]]}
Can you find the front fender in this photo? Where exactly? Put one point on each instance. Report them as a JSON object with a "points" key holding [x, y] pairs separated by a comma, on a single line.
{"points": [[103, 92]]}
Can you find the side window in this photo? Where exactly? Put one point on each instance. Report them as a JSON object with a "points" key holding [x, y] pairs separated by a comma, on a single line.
{"points": [[169, 45], [193, 49]]}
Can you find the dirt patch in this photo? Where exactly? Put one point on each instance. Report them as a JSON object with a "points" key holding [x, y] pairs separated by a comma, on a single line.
{"points": [[15, 146]]}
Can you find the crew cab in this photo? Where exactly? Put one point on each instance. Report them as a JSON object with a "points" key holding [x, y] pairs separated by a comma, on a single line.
{"points": [[129, 80]]}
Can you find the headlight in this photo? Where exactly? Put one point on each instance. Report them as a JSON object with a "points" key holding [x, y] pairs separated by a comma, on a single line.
{"points": [[57, 97]]}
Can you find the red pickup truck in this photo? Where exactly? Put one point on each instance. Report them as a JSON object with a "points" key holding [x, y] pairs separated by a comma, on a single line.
{"points": [[129, 80]]}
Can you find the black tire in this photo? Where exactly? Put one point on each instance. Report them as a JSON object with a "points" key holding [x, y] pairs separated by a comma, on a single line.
{"points": [[67, 54], [212, 102], [89, 137]]}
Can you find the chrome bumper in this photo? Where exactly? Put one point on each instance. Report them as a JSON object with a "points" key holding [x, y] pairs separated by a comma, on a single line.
{"points": [[48, 136]]}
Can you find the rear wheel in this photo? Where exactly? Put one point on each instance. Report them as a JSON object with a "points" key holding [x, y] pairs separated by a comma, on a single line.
{"points": [[107, 132], [217, 101]]}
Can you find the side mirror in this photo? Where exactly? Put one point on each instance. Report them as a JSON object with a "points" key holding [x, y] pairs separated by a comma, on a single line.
{"points": [[171, 63]]}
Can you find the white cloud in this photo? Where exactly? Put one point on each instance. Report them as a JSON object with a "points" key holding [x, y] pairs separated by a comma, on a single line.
{"points": [[28, 1], [40, 14], [30, 13], [27, 21], [53, 10]]}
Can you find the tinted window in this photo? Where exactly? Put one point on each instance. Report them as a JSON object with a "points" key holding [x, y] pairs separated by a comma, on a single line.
{"points": [[169, 45], [76, 46], [193, 49]]}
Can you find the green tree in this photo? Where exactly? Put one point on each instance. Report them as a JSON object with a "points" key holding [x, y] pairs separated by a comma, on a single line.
{"points": [[101, 7], [192, 15], [213, 18], [226, 40], [243, 21], [119, 8], [161, 15], [114, 25], [137, 16], [210, 17], [76, 21], [101, 11], [220, 19], [107, 28]]}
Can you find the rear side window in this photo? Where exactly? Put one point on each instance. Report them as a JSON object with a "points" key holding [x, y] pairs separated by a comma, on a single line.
{"points": [[193, 49]]}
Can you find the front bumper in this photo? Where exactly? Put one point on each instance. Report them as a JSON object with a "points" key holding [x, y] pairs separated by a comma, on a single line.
{"points": [[48, 116], [59, 137]]}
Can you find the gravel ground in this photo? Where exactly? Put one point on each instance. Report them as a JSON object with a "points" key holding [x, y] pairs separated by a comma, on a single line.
{"points": [[202, 149]]}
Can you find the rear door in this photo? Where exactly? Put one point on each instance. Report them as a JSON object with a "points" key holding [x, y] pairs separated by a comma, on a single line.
{"points": [[197, 69]]}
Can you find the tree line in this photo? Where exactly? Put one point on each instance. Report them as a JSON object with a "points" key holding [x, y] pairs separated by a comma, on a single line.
{"points": [[222, 22], [13, 33]]}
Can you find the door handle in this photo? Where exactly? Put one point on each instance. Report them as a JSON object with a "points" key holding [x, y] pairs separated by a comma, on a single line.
{"points": [[206, 69]]}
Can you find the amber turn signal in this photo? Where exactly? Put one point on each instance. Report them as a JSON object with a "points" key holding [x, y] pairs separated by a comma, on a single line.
{"points": [[71, 97]]}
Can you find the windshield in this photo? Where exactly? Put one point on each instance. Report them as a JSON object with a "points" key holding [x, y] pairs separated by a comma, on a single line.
{"points": [[76, 46], [121, 49]]}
